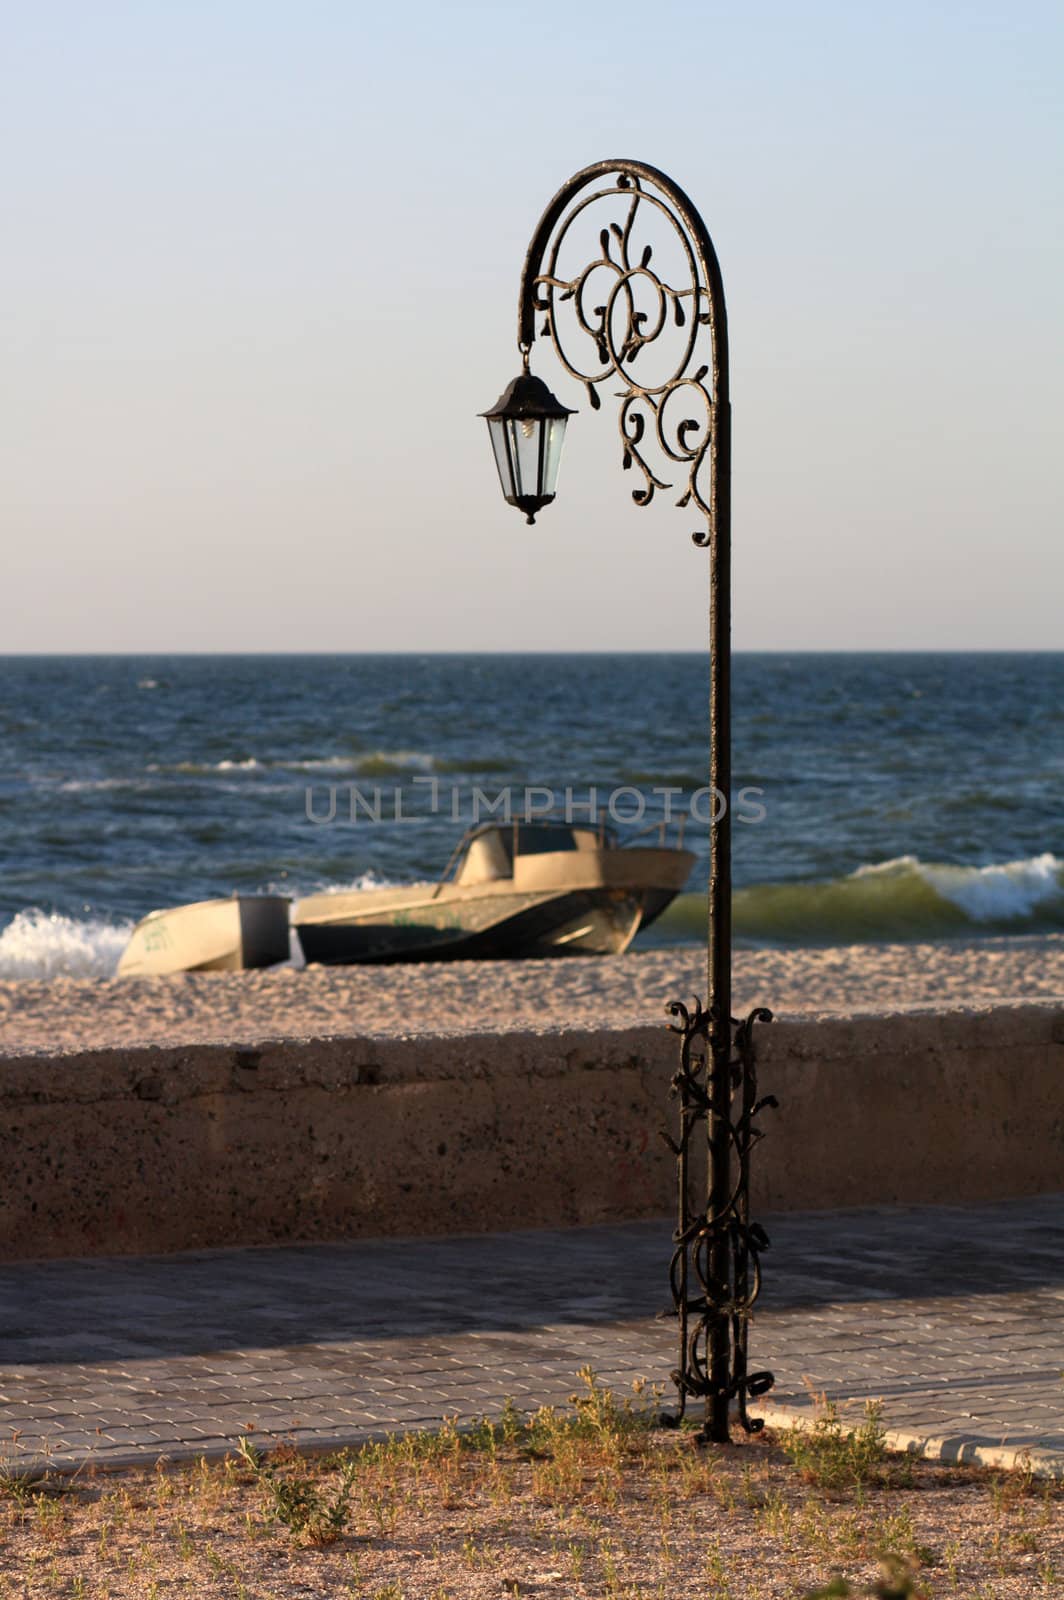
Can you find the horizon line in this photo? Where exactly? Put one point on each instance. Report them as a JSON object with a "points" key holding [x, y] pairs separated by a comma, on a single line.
{"points": [[777, 650]]}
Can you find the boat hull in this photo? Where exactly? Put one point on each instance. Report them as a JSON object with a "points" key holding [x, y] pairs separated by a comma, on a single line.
{"points": [[580, 923], [555, 904]]}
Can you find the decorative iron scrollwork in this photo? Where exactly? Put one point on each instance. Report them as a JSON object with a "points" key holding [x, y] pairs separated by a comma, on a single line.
{"points": [[621, 303], [699, 1293]]}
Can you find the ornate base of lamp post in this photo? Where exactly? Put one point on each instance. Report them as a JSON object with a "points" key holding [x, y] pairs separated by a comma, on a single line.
{"points": [[716, 1273], [607, 302]]}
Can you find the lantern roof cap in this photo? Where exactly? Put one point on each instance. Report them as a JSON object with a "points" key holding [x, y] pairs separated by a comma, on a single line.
{"points": [[527, 396]]}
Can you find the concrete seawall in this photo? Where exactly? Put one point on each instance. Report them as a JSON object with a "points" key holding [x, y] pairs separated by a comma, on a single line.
{"points": [[147, 1149]]}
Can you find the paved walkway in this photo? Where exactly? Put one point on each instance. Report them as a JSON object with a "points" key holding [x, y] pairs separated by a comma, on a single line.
{"points": [[953, 1316]]}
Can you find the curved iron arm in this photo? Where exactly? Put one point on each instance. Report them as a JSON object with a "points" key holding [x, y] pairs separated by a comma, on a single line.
{"points": [[694, 306]]}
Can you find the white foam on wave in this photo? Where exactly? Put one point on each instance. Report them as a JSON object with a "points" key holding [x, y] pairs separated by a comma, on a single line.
{"points": [[365, 880], [322, 764], [80, 785], [250, 764], [42, 944], [374, 763], [1006, 891]]}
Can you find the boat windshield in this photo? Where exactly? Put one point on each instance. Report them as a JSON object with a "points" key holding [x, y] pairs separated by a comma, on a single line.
{"points": [[488, 852], [544, 838], [529, 840]]}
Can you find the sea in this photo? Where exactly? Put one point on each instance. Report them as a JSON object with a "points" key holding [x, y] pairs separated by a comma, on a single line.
{"points": [[877, 797]]}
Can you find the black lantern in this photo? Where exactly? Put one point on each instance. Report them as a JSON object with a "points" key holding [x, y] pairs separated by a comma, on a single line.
{"points": [[527, 427]]}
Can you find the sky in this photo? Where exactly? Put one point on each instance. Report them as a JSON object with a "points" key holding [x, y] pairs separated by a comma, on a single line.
{"points": [[260, 271]]}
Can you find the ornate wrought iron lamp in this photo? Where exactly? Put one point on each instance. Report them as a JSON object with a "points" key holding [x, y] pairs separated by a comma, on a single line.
{"points": [[601, 314]]}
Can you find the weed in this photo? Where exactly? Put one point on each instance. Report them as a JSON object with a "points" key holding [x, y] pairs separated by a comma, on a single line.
{"points": [[296, 1502], [610, 1576], [724, 1494], [577, 1558], [20, 1485], [897, 1533], [717, 1585], [950, 1557], [510, 1422], [698, 1471], [896, 1583], [833, 1456], [1008, 1488], [384, 1510], [252, 1529], [776, 1516], [50, 1517]]}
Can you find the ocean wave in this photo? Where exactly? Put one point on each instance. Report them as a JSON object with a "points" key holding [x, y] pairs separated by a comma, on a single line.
{"points": [[1007, 892], [392, 763], [371, 764], [397, 763], [87, 785], [902, 899], [42, 944], [200, 768], [321, 764], [374, 764]]}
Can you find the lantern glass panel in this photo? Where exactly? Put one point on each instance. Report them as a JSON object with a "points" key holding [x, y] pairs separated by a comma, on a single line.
{"points": [[525, 435], [552, 455], [497, 428]]}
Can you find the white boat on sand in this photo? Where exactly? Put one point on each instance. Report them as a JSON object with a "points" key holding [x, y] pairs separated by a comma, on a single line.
{"points": [[209, 936]]}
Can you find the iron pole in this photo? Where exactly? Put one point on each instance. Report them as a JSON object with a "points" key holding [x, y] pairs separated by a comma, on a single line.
{"points": [[720, 936]]}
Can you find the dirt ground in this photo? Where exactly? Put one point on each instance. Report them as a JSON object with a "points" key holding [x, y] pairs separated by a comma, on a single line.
{"points": [[597, 1502]]}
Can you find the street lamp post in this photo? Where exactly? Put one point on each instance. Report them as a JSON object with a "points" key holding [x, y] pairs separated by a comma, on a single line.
{"points": [[602, 317]]}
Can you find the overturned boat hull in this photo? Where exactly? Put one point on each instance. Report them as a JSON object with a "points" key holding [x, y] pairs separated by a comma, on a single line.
{"points": [[209, 936]]}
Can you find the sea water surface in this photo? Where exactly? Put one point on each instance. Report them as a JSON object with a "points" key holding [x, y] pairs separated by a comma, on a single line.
{"points": [[904, 796]]}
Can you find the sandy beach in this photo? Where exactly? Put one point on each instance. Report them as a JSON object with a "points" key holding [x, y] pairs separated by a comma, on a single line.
{"points": [[462, 997]]}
